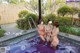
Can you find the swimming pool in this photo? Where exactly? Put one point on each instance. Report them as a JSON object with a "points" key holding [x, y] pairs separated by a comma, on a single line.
{"points": [[33, 45]]}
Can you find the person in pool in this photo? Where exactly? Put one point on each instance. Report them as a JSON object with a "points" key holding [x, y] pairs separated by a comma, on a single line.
{"points": [[55, 32], [41, 31], [48, 30]]}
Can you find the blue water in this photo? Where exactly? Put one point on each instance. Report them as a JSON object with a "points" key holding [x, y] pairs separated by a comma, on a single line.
{"points": [[33, 45]]}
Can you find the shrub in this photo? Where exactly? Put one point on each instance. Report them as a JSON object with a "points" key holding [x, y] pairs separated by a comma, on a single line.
{"points": [[64, 10], [70, 30], [2, 32], [64, 21], [64, 29], [78, 33], [30, 17], [33, 16], [74, 31], [22, 24], [23, 13], [51, 17]]}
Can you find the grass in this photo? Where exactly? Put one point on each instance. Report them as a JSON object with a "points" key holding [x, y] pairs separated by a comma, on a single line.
{"points": [[2, 32]]}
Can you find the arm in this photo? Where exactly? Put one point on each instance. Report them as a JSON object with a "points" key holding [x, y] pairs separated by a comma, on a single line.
{"points": [[38, 29]]}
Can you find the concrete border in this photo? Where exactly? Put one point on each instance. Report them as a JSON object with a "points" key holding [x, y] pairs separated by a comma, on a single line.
{"points": [[7, 39]]}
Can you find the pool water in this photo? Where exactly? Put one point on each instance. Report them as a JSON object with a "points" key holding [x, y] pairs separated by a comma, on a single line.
{"points": [[33, 45]]}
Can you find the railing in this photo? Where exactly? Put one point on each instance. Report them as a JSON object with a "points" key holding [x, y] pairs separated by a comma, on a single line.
{"points": [[32, 21]]}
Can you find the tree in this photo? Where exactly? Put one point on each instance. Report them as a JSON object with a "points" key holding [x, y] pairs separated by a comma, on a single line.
{"points": [[34, 5], [47, 6], [64, 10], [23, 13], [13, 1], [73, 12]]}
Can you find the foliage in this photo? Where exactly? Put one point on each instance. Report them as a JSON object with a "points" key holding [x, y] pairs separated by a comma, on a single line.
{"points": [[68, 10], [47, 6], [23, 13], [24, 23], [70, 30], [2, 32], [73, 10], [64, 10], [51, 17], [13, 1], [64, 21], [78, 33], [34, 5], [33, 16], [64, 28]]}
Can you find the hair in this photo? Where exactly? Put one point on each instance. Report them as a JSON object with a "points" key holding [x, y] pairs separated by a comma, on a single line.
{"points": [[56, 24]]}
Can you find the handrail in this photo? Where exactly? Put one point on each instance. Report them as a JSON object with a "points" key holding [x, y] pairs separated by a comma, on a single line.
{"points": [[33, 22], [29, 23]]}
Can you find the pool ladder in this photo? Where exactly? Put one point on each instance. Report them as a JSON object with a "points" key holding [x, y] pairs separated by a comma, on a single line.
{"points": [[30, 23]]}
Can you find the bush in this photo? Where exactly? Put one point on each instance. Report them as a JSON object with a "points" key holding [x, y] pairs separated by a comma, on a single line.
{"points": [[74, 31], [33, 16], [51, 17], [64, 21], [78, 33], [64, 29], [64, 10], [70, 30], [23, 13], [2, 32], [24, 23], [30, 17]]}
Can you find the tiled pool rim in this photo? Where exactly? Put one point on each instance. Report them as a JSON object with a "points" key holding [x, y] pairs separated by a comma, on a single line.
{"points": [[6, 39]]}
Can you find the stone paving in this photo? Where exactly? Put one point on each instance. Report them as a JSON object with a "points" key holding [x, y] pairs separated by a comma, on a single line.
{"points": [[11, 28]]}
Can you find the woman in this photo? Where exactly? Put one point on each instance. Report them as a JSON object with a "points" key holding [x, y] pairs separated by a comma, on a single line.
{"points": [[55, 32], [41, 30], [48, 30]]}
